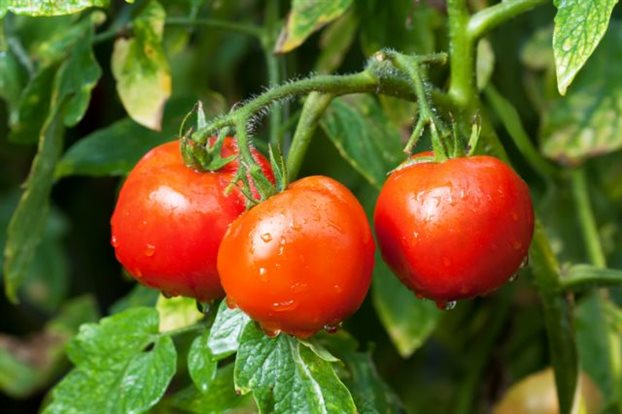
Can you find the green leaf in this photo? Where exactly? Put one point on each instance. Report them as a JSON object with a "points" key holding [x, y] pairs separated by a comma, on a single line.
{"points": [[28, 222], [49, 7], [139, 296], [28, 365], [363, 136], [141, 70], [286, 376], [201, 366], [115, 150], [588, 121], [116, 368], [226, 330], [305, 17], [485, 64], [221, 397], [409, 321], [335, 43], [177, 312], [371, 394], [12, 80], [579, 27]]}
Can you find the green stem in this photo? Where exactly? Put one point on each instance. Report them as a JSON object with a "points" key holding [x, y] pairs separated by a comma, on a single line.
{"points": [[580, 277], [273, 67], [589, 229], [312, 111], [462, 55], [489, 18]]}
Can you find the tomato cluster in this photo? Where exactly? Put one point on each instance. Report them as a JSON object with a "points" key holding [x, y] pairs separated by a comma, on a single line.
{"points": [[302, 260]]}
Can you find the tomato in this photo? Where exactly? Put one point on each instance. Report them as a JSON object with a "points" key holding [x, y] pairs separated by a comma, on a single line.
{"points": [[169, 221], [536, 394], [454, 229], [301, 260]]}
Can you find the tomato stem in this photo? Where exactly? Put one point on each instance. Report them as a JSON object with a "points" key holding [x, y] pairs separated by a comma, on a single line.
{"points": [[484, 21]]}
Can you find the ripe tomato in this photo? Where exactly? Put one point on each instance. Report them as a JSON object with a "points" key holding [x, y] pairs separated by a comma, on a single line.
{"points": [[301, 260], [169, 221], [455, 229]]}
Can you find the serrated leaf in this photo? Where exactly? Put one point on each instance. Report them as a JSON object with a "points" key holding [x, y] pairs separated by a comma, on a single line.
{"points": [[177, 312], [409, 321], [226, 330], [49, 7], [221, 397], [371, 394], [579, 27], [27, 365], [588, 121], [141, 69], [201, 366], [305, 17], [115, 369], [28, 222], [363, 136], [286, 376]]}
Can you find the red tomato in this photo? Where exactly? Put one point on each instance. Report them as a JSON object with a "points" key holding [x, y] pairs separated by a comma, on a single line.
{"points": [[169, 221], [301, 260], [455, 229]]}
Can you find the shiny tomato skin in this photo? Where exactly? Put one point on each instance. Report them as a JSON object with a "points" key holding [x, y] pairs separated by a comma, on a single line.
{"points": [[455, 229], [169, 220], [301, 260]]}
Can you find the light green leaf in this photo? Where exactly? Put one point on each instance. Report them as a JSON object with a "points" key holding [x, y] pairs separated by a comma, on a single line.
{"points": [[579, 27], [363, 136], [588, 121], [286, 376], [177, 312], [409, 321], [122, 365], [221, 397], [371, 394], [48, 7], [28, 222], [201, 366], [141, 70], [305, 17], [26, 366], [226, 330]]}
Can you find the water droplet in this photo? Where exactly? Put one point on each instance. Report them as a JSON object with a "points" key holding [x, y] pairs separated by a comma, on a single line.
{"points": [[266, 237], [513, 277], [332, 328], [446, 305], [338, 288], [114, 241], [567, 45], [285, 305], [168, 294], [231, 303], [203, 307], [514, 216], [271, 332], [524, 262], [462, 194], [517, 244], [149, 250], [136, 273], [416, 234], [263, 274]]}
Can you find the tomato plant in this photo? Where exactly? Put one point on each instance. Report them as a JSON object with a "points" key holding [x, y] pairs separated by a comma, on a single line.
{"points": [[454, 229], [169, 221], [416, 116], [301, 260]]}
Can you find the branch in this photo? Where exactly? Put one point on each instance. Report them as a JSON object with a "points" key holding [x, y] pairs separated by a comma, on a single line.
{"points": [[584, 276], [484, 21]]}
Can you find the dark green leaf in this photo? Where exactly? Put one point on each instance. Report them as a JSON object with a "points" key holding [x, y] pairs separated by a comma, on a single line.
{"points": [[305, 17], [226, 330], [588, 121], [27, 365], [114, 150], [221, 397], [139, 296], [579, 26], [12, 80], [287, 376], [48, 7], [371, 394], [28, 222], [115, 369], [141, 70], [335, 42], [201, 365], [408, 320], [363, 136]]}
